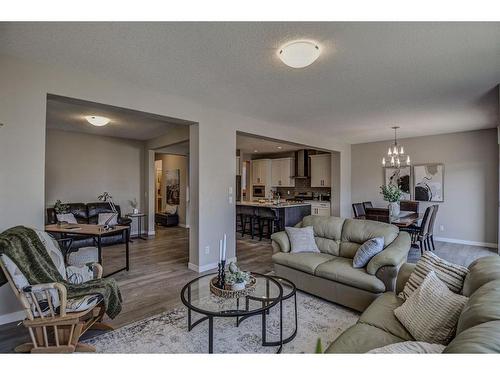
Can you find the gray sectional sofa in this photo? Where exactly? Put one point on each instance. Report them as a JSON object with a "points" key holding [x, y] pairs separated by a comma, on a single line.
{"points": [[330, 274]]}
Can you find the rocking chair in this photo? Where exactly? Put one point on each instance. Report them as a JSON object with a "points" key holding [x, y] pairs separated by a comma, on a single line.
{"points": [[56, 323]]}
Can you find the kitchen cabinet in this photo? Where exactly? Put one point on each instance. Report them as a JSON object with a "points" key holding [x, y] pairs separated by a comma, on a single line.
{"points": [[321, 170], [261, 172], [319, 208], [281, 171]]}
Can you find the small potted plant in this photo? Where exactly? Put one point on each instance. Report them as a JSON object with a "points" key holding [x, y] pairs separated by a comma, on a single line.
{"points": [[60, 208], [392, 194], [236, 278], [133, 204]]}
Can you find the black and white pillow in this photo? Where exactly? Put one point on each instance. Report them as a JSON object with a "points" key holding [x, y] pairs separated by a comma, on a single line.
{"points": [[367, 251], [68, 218]]}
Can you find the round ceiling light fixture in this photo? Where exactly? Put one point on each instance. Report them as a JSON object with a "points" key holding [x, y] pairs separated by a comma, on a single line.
{"points": [[97, 120], [299, 53]]}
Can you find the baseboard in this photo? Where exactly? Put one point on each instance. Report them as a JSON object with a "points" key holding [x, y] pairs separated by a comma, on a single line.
{"points": [[207, 267], [466, 242], [151, 233], [184, 225], [12, 317]]}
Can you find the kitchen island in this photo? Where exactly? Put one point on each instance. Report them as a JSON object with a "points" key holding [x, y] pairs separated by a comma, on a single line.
{"points": [[289, 213]]}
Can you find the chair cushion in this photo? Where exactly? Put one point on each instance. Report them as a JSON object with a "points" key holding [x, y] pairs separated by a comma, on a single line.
{"points": [[341, 270], [483, 338], [481, 271], [360, 231], [483, 306], [302, 240], [20, 281], [452, 275], [367, 251], [79, 274], [83, 303], [360, 338], [380, 314], [431, 313], [306, 262], [53, 250]]}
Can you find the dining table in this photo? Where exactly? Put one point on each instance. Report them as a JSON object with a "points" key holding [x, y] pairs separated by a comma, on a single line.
{"points": [[406, 218]]}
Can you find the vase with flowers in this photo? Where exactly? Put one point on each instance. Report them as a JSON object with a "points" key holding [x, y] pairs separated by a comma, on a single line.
{"points": [[392, 194]]}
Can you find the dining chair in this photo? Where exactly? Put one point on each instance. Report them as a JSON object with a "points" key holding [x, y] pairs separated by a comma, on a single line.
{"points": [[359, 210], [367, 205], [422, 236], [409, 206], [377, 214], [432, 222]]}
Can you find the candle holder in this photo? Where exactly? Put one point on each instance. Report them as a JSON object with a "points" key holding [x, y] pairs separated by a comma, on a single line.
{"points": [[221, 276]]}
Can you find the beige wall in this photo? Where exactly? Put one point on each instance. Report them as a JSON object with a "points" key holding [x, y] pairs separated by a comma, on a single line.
{"points": [[470, 208], [79, 167], [170, 162], [212, 143]]}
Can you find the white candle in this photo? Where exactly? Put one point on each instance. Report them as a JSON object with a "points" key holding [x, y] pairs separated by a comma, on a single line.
{"points": [[220, 250], [224, 253]]}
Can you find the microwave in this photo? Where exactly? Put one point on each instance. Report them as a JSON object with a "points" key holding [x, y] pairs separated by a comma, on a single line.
{"points": [[259, 191]]}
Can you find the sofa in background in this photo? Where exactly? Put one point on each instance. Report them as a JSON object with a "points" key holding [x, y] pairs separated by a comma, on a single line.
{"points": [[478, 329], [330, 273], [88, 213]]}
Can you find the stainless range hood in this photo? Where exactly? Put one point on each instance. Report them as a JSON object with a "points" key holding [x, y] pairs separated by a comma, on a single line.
{"points": [[302, 164]]}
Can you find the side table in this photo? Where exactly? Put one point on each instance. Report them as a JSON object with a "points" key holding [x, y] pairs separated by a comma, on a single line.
{"points": [[139, 217]]}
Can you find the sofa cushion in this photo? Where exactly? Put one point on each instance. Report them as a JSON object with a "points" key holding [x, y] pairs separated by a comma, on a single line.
{"points": [[481, 271], [360, 231], [409, 347], [380, 314], [328, 246], [325, 226], [302, 240], [483, 306], [431, 313], [306, 262], [482, 338], [361, 338], [341, 270], [367, 251]]}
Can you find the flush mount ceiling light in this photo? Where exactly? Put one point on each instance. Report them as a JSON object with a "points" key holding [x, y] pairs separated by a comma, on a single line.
{"points": [[299, 53], [97, 120]]}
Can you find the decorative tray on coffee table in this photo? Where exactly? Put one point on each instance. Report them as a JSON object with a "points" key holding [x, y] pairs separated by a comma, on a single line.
{"points": [[227, 292]]}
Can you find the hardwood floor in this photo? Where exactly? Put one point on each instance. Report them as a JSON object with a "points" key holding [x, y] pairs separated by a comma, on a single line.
{"points": [[159, 270]]}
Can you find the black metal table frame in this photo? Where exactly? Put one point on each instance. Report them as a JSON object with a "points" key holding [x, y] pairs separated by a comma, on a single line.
{"points": [[239, 314], [139, 225], [97, 239]]}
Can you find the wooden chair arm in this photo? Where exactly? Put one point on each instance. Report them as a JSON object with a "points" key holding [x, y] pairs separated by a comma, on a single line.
{"points": [[97, 270], [29, 293]]}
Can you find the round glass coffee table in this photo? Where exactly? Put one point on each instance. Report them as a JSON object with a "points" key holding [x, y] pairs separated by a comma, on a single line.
{"points": [[268, 292]]}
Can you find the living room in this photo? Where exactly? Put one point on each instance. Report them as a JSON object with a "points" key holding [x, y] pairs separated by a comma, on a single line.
{"points": [[411, 88]]}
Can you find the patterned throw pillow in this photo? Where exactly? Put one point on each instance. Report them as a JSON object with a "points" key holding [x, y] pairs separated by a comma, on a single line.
{"points": [[409, 347], [367, 251], [453, 275], [431, 312], [103, 217], [69, 218], [302, 240]]}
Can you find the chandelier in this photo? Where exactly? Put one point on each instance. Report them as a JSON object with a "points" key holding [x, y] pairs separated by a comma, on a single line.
{"points": [[396, 156]]}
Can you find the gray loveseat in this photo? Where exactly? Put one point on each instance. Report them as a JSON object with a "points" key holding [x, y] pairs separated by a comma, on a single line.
{"points": [[478, 329], [330, 274]]}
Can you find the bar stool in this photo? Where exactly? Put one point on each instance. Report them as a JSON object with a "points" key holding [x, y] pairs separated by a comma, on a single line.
{"points": [[269, 219], [247, 216]]}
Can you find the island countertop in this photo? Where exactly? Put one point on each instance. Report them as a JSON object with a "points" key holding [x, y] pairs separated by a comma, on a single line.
{"points": [[272, 205]]}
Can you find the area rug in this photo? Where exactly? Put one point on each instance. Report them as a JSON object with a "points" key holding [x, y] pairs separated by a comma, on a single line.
{"points": [[167, 332]]}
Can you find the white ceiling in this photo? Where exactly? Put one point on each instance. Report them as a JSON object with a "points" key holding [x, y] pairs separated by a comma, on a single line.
{"points": [[250, 144], [427, 78], [68, 114]]}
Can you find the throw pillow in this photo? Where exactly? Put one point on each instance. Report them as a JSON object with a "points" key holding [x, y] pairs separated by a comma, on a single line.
{"points": [[103, 217], [431, 312], [367, 251], [302, 240], [453, 275], [68, 218], [409, 347], [170, 209]]}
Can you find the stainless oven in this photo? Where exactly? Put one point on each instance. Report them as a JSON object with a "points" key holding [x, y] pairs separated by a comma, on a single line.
{"points": [[259, 191]]}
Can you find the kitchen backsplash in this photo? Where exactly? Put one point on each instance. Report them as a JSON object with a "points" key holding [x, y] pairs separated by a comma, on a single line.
{"points": [[302, 185]]}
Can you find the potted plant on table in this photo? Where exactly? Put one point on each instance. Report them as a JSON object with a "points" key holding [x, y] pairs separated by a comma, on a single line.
{"points": [[236, 278], [133, 203], [392, 194]]}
